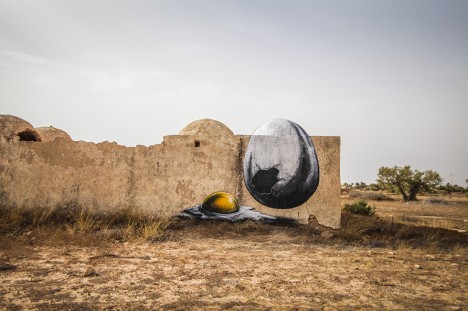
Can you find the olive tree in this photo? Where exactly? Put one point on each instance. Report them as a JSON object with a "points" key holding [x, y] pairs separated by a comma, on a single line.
{"points": [[408, 182]]}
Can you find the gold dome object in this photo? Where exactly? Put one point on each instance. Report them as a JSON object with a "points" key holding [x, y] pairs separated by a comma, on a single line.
{"points": [[220, 202]]}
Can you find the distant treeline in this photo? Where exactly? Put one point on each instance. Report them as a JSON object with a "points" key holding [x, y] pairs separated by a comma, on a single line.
{"points": [[442, 189], [408, 183]]}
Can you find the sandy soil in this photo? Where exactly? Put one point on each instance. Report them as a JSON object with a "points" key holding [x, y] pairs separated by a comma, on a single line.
{"points": [[277, 270]]}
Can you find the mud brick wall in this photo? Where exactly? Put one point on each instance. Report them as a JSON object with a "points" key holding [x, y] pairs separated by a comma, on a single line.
{"points": [[161, 179]]}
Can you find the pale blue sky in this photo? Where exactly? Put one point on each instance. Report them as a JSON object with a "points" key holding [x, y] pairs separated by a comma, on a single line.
{"points": [[389, 77]]}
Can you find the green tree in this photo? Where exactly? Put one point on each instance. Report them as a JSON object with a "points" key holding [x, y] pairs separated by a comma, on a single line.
{"points": [[374, 187], [408, 182], [347, 186], [360, 185], [449, 188]]}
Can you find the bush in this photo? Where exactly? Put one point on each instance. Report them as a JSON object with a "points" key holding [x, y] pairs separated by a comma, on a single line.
{"points": [[374, 187], [123, 224], [360, 207]]}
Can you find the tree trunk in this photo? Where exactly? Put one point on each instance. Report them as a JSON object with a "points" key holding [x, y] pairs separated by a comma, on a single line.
{"points": [[413, 192], [405, 196]]}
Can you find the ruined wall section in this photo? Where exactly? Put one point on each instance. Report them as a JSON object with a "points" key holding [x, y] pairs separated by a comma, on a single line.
{"points": [[55, 174], [162, 179], [176, 175]]}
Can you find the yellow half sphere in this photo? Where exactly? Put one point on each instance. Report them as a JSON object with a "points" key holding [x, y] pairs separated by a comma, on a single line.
{"points": [[220, 202]]}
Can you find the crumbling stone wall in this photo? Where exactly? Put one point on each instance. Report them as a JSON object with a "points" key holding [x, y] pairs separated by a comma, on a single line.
{"points": [[51, 133], [161, 179]]}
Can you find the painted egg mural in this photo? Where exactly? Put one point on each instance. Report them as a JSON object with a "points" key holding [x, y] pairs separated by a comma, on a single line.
{"points": [[281, 168], [221, 205]]}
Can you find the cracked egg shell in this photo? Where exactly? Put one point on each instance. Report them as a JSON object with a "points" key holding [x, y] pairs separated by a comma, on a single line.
{"points": [[281, 168]]}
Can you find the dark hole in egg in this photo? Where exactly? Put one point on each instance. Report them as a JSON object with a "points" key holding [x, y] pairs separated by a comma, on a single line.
{"points": [[264, 180]]}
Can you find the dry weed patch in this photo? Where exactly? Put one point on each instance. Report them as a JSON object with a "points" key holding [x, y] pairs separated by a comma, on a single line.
{"points": [[71, 220], [71, 223]]}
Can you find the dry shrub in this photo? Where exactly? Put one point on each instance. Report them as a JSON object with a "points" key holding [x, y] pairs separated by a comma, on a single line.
{"points": [[124, 224], [369, 195], [84, 221], [150, 229], [351, 230], [154, 228], [360, 207]]}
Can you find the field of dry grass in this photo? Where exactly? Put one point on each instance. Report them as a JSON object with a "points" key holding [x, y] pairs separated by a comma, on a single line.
{"points": [[124, 262], [433, 211]]}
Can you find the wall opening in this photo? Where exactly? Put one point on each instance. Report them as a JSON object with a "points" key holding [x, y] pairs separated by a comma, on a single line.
{"points": [[197, 143], [28, 135]]}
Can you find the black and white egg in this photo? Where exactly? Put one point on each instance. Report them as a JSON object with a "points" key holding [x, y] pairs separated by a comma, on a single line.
{"points": [[281, 168]]}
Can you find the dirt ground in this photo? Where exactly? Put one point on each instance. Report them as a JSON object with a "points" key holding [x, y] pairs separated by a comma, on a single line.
{"points": [[228, 266]]}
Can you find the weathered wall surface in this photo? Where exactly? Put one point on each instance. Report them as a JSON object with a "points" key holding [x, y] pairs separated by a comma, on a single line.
{"points": [[160, 179]]}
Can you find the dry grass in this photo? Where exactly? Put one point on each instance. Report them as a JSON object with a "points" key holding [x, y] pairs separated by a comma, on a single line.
{"points": [[449, 212], [121, 225], [433, 221], [397, 224], [380, 232], [439, 223], [370, 195], [435, 200]]}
